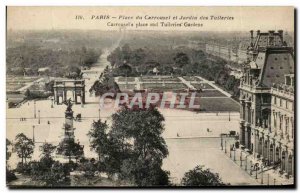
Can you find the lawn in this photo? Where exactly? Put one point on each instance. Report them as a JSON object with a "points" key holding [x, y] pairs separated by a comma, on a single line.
{"points": [[163, 87], [128, 79], [14, 87], [190, 78], [127, 86], [202, 86], [219, 104], [211, 93], [159, 79]]}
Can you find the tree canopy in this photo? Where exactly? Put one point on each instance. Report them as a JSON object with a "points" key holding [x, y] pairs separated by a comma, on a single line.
{"points": [[24, 147], [199, 176]]}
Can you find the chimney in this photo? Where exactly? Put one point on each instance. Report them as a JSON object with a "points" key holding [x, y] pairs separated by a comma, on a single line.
{"points": [[251, 33], [280, 32], [271, 38], [258, 32]]}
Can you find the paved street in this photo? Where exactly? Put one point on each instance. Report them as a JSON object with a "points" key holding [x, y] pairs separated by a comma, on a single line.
{"points": [[185, 154]]}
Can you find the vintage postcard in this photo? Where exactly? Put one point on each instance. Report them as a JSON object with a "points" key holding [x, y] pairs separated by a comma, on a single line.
{"points": [[150, 97]]}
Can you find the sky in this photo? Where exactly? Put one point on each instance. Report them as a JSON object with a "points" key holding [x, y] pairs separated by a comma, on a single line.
{"points": [[244, 18]]}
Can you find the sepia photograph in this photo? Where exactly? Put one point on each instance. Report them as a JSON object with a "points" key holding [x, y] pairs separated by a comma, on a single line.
{"points": [[150, 97]]}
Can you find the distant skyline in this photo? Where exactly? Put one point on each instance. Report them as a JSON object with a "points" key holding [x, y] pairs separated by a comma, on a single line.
{"points": [[236, 18]]}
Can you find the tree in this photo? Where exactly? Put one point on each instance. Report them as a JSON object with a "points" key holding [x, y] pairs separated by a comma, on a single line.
{"points": [[47, 149], [46, 160], [10, 176], [24, 147], [69, 148], [8, 153], [181, 59], [27, 94], [138, 133], [53, 175], [201, 177], [99, 138]]}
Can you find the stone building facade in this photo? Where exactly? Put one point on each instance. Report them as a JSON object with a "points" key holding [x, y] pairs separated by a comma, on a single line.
{"points": [[267, 101]]}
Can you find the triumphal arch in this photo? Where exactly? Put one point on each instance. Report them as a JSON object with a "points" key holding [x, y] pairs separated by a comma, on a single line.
{"points": [[69, 89]]}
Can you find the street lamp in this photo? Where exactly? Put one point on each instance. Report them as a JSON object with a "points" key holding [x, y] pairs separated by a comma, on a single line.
{"points": [[241, 161], [234, 150], [221, 141], [34, 104], [262, 175], [251, 167], [52, 102], [39, 117], [255, 167], [33, 134], [246, 162]]}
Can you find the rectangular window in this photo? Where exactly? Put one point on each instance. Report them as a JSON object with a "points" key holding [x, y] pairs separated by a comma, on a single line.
{"points": [[280, 102], [286, 125]]}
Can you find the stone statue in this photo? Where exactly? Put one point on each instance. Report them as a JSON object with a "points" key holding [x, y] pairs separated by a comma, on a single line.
{"points": [[69, 104]]}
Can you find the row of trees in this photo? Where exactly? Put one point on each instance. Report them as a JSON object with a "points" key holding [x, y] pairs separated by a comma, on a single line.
{"points": [[45, 171], [28, 58]]}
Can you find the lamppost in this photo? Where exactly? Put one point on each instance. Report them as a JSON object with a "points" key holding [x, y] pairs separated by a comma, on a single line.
{"points": [[241, 157], [33, 134], [262, 175], [52, 100], [234, 150], [255, 167], [246, 162], [251, 167], [39, 117], [34, 105], [221, 141]]}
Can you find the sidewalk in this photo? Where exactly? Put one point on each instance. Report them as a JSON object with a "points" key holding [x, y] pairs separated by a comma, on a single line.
{"points": [[244, 160]]}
